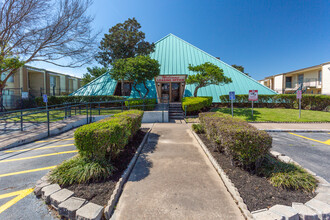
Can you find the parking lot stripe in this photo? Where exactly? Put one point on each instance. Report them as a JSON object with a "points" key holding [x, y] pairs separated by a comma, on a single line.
{"points": [[68, 139], [322, 142], [19, 195], [27, 171], [38, 148], [38, 156]]}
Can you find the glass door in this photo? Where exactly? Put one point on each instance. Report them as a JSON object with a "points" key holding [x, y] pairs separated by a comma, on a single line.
{"points": [[165, 92], [175, 92]]}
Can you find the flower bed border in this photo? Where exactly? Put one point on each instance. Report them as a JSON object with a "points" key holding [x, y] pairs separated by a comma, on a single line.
{"points": [[323, 185], [109, 209]]}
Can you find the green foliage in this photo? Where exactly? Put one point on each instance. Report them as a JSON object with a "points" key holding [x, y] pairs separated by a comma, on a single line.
{"points": [[196, 104], [137, 69], [240, 68], [103, 140], [287, 175], [198, 128], [57, 100], [80, 170], [124, 40], [93, 73], [309, 101], [206, 74], [244, 143], [150, 104], [7, 65]]}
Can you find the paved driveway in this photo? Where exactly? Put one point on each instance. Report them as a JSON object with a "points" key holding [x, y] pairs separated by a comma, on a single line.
{"points": [[311, 150], [21, 167]]}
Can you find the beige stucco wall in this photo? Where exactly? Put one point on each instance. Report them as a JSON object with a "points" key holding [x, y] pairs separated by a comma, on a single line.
{"points": [[278, 83], [326, 79]]}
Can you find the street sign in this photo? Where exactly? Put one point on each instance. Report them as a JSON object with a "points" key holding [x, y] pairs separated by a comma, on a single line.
{"points": [[44, 97], [299, 94], [253, 95], [25, 95], [231, 95]]}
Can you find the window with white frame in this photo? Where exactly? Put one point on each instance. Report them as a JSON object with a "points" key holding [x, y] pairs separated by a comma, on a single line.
{"points": [[320, 77]]}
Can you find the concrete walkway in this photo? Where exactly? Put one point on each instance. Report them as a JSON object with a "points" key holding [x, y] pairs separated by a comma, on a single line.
{"points": [[173, 179], [293, 126]]}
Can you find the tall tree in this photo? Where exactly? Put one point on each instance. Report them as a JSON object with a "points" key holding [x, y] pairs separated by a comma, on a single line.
{"points": [[137, 69], [124, 40], [240, 68], [206, 74], [93, 73], [57, 32]]}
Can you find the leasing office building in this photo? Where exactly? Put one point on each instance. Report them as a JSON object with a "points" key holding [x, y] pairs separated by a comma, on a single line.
{"points": [[174, 55]]}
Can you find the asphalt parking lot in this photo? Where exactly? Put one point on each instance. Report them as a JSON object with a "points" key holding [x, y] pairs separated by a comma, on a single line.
{"points": [[311, 150], [21, 167]]}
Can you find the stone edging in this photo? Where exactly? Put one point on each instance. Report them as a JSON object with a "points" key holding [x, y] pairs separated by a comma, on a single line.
{"points": [[227, 182], [64, 202]]}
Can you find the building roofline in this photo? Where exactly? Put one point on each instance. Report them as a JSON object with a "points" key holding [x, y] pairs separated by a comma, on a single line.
{"points": [[298, 70], [49, 71]]}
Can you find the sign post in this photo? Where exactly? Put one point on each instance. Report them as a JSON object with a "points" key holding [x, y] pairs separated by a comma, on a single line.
{"points": [[232, 98], [253, 96], [299, 96], [45, 99]]}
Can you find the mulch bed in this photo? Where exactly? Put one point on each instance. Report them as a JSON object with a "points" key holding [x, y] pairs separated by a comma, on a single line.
{"points": [[100, 192], [256, 191]]}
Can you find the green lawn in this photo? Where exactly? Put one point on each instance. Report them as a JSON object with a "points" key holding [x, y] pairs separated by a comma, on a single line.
{"points": [[277, 115], [57, 115]]}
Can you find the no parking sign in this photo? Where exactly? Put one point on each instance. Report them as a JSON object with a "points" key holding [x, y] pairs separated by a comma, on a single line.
{"points": [[253, 95]]}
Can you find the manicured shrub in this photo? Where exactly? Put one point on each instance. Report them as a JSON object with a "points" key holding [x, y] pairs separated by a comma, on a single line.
{"points": [[196, 104], [245, 144], [309, 101], [103, 140], [198, 128], [150, 104], [58, 100]]}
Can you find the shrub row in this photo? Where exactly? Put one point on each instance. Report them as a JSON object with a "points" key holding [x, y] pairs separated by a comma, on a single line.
{"points": [[309, 102], [58, 100], [196, 104], [104, 139], [150, 104], [245, 144]]}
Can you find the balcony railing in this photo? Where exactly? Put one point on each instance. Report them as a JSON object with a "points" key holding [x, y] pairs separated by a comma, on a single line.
{"points": [[309, 82]]}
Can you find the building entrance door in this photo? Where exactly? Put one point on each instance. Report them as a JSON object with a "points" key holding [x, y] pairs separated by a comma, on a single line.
{"points": [[165, 91], [175, 92]]}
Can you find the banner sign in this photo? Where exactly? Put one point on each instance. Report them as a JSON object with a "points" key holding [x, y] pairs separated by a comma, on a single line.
{"points": [[253, 95], [170, 78], [231, 95], [299, 94], [25, 95], [44, 97]]}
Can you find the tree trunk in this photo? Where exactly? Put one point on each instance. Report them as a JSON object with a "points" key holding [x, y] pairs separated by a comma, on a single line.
{"points": [[122, 87], [196, 89], [145, 86], [134, 85]]}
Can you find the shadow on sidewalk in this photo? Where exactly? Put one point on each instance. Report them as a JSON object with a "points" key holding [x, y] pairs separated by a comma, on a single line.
{"points": [[142, 167]]}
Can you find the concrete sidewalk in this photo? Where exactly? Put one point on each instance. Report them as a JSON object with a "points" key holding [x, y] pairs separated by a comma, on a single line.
{"points": [[173, 179], [293, 126]]}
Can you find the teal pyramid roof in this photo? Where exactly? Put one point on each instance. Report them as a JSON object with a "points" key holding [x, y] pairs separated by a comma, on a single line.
{"points": [[174, 56]]}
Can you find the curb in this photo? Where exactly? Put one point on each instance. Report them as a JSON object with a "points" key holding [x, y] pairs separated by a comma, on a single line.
{"points": [[227, 182], [107, 212], [294, 130]]}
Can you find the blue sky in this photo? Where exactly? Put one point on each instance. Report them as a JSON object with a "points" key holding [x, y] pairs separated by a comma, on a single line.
{"points": [[266, 37]]}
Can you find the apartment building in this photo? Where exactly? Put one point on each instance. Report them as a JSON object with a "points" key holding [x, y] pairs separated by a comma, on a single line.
{"points": [[37, 82], [311, 80]]}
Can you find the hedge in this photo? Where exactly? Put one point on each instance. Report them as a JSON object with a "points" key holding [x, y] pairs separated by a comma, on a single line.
{"points": [[196, 104], [245, 144], [58, 100], [150, 104], [308, 101], [106, 138]]}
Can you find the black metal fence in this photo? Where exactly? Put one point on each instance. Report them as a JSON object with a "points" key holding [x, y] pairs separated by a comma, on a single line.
{"points": [[25, 119]]}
